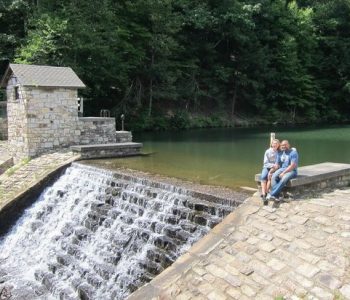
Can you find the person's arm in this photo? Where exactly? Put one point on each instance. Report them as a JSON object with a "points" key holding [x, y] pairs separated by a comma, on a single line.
{"points": [[290, 168], [267, 163], [273, 170], [293, 165], [275, 166]]}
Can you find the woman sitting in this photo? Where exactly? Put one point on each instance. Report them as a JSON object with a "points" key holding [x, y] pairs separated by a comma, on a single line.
{"points": [[270, 165]]}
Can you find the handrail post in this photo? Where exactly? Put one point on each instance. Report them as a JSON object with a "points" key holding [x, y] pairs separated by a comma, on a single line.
{"points": [[122, 117], [272, 137]]}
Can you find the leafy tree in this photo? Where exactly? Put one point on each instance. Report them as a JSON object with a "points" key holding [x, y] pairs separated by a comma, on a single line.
{"points": [[174, 61], [14, 16], [332, 67]]}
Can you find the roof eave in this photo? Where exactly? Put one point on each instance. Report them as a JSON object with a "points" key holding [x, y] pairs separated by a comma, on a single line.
{"points": [[6, 77], [55, 86]]}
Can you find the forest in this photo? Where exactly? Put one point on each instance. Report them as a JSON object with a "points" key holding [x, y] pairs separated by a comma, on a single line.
{"points": [[176, 64]]}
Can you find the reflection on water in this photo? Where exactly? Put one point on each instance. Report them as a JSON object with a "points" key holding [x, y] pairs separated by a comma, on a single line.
{"points": [[229, 157]]}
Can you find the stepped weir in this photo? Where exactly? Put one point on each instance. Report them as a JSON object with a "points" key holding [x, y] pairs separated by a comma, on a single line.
{"points": [[98, 234]]}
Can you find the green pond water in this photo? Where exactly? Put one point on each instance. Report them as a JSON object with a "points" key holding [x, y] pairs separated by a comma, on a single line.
{"points": [[229, 157]]}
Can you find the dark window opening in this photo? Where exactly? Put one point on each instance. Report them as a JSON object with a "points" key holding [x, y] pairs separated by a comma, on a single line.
{"points": [[16, 93]]}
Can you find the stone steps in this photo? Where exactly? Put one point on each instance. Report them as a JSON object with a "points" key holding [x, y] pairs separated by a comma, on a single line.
{"points": [[316, 178], [173, 228], [107, 150]]}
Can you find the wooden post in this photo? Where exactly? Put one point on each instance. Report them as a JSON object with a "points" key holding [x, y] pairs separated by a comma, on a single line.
{"points": [[272, 137]]}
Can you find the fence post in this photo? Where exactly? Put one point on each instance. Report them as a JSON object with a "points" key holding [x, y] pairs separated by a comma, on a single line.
{"points": [[272, 137]]}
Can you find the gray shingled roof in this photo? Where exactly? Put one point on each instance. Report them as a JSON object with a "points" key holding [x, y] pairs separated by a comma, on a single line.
{"points": [[45, 76]]}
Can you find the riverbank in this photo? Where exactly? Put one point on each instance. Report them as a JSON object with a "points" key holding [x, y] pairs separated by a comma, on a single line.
{"points": [[184, 120]]}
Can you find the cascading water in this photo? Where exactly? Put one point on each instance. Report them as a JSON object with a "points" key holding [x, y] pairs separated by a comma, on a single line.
{"points": [[95, 234]]}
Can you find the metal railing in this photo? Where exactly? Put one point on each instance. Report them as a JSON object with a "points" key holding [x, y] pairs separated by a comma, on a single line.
{"points": [[105, 113]]}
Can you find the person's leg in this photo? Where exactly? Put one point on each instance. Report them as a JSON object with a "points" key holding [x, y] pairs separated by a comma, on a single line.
{"points": [[276, 189], [263, 178], [268, 185], [263, 187], [275, 178]]}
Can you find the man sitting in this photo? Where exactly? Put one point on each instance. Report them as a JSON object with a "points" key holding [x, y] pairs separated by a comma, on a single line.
{"points": [[288, 169]]}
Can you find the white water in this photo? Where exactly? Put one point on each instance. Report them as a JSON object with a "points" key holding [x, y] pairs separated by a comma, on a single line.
{"points": [[94, 236]]}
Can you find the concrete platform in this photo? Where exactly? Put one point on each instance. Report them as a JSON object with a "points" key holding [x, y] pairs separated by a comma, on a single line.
{"points": [[107, 150], [319, 176]]}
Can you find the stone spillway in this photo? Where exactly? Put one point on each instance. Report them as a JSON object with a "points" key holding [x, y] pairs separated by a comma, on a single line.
{"points": [[96, 234]]}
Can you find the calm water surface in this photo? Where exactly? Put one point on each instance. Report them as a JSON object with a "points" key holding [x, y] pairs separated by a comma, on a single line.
{"points": [[229, 157]]}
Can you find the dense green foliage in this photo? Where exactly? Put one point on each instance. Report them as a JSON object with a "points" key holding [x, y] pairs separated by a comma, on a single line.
{"points": [[189, 63]]}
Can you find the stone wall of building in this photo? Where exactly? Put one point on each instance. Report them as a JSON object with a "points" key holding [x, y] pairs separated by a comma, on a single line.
{"points": [[97, 130], [52, 115], [3, 129], [41, 119], [17, 121]]}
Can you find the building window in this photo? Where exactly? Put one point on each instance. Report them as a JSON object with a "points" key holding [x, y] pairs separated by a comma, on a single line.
{"points": [[16, 93]]}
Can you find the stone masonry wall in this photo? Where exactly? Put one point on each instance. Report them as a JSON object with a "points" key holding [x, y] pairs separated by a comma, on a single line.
{"points": [[17, 121], [3, 129], [52, 119], [41, 119], [124, 137], [3, 120], [113, 151], [97, 130]]}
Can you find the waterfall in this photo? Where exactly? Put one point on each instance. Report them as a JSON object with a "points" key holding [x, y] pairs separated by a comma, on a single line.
{"points": [[96, 234]]}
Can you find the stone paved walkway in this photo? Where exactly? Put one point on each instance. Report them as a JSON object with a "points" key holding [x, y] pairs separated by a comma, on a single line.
{"points": [[24, 175], [4, 153], [300, 250]]}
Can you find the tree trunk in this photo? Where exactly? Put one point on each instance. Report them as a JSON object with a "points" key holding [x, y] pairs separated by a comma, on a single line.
{"points": [[139, 92], [151, 89], [293, 113], [234, 98], [150, 98]]}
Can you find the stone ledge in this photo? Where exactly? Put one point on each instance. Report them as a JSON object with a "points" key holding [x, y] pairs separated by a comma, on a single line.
{"points": [[183, 187], [84, 148], [90, 119], [107, 150], [316, 173], [316, 177]]}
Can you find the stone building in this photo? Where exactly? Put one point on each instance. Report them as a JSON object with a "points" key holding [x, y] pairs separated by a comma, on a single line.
{"points": [[3, 120], [42, 111]]}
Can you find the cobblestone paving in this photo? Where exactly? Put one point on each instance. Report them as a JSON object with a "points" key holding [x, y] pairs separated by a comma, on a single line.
{"points": [[299, 250], [4, 151], [26, 174]]}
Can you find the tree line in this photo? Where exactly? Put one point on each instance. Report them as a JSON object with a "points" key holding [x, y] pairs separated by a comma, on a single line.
{"points": [[180, 63]]}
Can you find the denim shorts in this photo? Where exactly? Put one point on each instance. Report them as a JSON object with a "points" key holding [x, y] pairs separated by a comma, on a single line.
{"points": [[264, 174]]}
